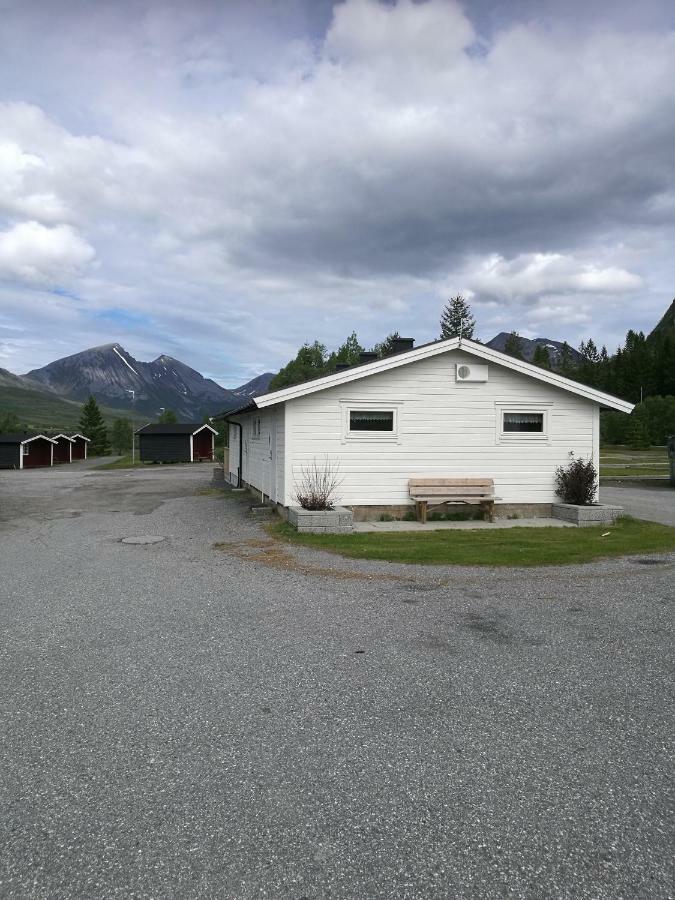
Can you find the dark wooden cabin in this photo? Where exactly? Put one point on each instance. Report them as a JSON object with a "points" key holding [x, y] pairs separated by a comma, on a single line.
{"points": [[79, 446], [63, 448], [180, 442], [26, 450]]}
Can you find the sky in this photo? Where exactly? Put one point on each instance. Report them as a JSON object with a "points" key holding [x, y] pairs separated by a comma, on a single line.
{"points": [[223, 181]]}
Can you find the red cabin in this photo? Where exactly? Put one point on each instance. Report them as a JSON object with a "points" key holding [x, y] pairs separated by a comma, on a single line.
{"points": [[79, 446], [63, 448]]}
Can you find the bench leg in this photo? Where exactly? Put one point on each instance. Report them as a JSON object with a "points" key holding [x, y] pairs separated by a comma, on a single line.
{"points": [[422, 511]]}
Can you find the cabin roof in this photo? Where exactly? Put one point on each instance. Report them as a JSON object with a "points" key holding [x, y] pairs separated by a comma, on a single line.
{"points": [[175, 428], [424, 351]]}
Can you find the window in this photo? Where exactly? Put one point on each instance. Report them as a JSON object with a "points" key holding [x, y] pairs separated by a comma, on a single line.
{"points": [[371, 420], [522, 422], [532, 422], [25, 449], [256, 427]]}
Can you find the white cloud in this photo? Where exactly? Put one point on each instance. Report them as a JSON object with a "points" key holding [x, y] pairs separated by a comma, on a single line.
{"points": [[533, 275], [229, 171], [35, 253]]}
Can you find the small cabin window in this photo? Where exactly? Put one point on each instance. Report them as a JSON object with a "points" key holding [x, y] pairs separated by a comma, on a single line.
{"points": [[25, 449], [518, 422], [371, 420], [256, 427]]}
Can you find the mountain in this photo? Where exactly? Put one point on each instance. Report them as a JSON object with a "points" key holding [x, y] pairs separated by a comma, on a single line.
{"points": [[554, 348], [118, 380], [666, 326], [255, 387]]}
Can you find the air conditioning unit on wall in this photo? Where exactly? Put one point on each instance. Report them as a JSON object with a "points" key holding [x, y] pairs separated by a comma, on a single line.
{"points": [[470, 372]]}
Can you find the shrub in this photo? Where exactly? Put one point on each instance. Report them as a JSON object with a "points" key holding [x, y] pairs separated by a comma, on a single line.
{"points": [[318, 485], [577, 482]]}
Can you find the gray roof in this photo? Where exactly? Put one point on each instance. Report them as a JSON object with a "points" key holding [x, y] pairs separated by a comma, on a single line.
{"points": [[18, 437]]}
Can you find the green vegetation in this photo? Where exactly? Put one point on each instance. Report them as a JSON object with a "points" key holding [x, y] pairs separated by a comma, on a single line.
{"points": [[37, 410], [456, 319], [168, 417], [92, 425], [121, 436], [623, 461], [498, 547]]}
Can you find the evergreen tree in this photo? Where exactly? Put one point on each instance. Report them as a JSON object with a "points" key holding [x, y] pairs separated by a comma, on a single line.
{"points": [[121, 436], [168, 417], [91, 425], [514, 345], [565, 361], [456, 319], [541, 357]]}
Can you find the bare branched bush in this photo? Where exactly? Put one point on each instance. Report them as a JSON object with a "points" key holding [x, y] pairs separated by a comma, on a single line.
{"points": [[577, 482], [318, 484]]}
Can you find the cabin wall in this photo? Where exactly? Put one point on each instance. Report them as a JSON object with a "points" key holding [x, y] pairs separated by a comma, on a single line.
{"points": [[79, 449], [164, 447], [263, 451], [10, 456], [62, 451], [445, 428]]}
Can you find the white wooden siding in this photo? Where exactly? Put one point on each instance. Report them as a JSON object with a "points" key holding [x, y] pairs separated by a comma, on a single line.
{"points": [[233, 455], [445, 429], [261, 466]]}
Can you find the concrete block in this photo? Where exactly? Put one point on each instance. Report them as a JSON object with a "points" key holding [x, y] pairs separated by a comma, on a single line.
{"points": [[585, 516], [314, 521]]}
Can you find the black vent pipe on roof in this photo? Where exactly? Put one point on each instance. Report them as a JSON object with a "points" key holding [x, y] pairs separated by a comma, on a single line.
{"points": [[400, 344], [367, 356], [340, 367]]}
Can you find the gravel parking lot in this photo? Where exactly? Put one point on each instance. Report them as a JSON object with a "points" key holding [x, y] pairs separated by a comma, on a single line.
{"points": [[184, 720]]}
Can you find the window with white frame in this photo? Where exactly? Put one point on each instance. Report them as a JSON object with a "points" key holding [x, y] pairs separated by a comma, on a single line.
{"points": [[370, 420], [522, 422], [256, 427], [25, 449]]}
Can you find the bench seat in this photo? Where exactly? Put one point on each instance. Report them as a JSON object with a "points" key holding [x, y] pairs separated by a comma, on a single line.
{"points": [[439, 491]]}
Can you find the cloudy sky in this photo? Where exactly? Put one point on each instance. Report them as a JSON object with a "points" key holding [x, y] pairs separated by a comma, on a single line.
{"points": [[221, 181]]}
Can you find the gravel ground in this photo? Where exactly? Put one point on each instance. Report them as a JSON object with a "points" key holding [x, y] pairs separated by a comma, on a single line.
{"points": [[644, 502], [249, 721]]}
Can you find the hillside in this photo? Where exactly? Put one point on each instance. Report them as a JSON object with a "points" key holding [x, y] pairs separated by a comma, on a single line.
{"points": [[666, 326], [40, 408]]}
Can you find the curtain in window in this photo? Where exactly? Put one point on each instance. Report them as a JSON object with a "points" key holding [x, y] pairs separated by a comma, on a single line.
{"points": [[371, 420], [524, 422]]}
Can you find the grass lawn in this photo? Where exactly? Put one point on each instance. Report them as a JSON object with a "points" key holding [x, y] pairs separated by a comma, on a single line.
{"points": [[503, 547], [622, 461]]}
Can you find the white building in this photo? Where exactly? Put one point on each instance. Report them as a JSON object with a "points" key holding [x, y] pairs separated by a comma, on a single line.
{"points": [[451, 409]]}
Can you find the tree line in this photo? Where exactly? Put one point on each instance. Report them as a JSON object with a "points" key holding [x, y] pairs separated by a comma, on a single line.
{"points": [[641, 371]]}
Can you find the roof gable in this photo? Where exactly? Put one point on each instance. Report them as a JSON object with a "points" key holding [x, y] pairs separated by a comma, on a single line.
{"points": [[175, 428], [434, 349]]}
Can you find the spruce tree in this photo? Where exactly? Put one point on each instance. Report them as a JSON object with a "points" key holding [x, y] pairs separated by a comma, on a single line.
{"points": [[456, 319], [541, 357], [91, 425], [514, 345]]}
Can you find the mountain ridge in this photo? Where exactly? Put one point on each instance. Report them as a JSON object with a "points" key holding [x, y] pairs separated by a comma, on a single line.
{"points": [[116, 378]]}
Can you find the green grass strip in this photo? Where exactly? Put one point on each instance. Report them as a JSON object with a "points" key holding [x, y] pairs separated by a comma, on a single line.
{"points": [[546, 546]]}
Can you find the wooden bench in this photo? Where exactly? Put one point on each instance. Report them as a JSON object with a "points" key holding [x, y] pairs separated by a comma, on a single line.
{"points": [[438, 491]]}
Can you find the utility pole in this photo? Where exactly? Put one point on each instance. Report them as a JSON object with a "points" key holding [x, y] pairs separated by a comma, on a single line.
{"points": [[133, 428]]}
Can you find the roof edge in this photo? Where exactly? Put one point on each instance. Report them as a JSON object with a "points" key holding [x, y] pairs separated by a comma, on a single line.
{"points": [[426, 351]]}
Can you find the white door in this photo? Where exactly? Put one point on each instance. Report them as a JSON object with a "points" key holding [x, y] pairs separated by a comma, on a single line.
{"points": [[273, 457]]}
